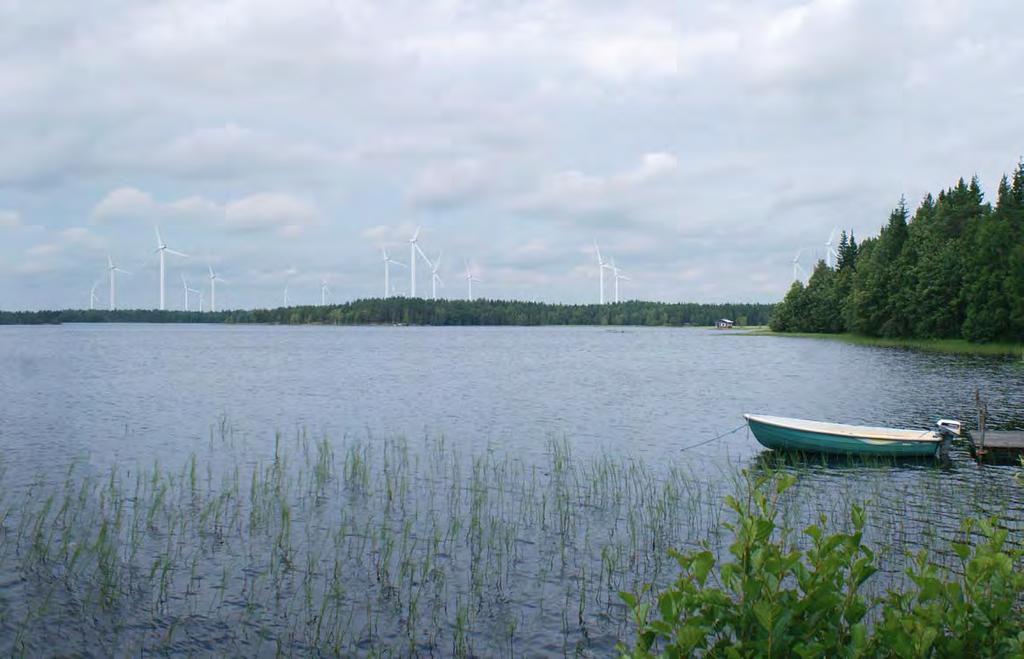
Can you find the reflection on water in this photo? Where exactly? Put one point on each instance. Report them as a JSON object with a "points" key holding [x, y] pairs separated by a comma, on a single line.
{"points": [[539, 474]]}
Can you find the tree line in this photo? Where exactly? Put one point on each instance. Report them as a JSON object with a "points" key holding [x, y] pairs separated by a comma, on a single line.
{"points": [[952, 270], [415, 311]]}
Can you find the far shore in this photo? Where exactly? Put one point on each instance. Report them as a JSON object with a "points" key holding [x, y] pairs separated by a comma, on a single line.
{"points": [[952, 346]]}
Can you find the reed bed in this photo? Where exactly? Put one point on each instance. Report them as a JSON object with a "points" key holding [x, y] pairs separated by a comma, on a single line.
{"points": [[393, 547]]}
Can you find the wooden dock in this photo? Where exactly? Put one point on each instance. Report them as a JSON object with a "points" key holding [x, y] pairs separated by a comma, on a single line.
{"points": [[998, 446]]}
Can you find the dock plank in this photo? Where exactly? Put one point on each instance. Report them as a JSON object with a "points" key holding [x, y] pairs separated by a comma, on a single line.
{"points": [[1004, 439], [999, 446]]}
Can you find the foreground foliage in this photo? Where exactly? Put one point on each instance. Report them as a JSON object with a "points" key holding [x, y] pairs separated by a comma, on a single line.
{"points": [[776, 599], [955, 270]]}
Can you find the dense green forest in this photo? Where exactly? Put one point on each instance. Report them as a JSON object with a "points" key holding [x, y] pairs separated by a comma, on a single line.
{"points": [[953, 270], [415, 311]]}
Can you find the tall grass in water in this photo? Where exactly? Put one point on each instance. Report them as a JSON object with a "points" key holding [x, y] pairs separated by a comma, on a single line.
{"points": [[372, 545]]}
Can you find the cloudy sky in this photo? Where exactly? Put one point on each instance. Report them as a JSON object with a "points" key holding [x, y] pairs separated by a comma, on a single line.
{"points": [[701, 143]]}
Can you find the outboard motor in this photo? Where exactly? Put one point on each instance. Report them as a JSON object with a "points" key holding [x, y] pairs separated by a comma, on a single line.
{"points": [[949, 429]]}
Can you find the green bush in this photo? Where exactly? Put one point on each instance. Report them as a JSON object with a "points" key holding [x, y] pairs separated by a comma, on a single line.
{"points": [[776, 600]]}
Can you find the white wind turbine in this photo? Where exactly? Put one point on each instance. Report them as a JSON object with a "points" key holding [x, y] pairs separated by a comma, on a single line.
{"points": [[324, 292], [214, 278], [435, 278], [286, 295], [112, 269], [93, 299], [387, 272], [162, 247], [618, 277], [469, 281], [798, 270], [414, 249], [601, 267], [188, 289], [830, 252]]}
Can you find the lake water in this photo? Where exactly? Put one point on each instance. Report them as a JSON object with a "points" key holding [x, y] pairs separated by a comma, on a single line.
{"points": [[95, 396]]}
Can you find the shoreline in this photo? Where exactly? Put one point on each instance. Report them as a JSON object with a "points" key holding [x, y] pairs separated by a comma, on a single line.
{"points": [[946, 346]]}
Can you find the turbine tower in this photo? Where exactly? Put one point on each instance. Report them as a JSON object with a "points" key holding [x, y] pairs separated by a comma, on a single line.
{"points": [[601, 267], [618, 277], [830, 252], [798, 270], [187, 290], [112, 269], [286, 295], [92, 296], [324, 292], [414, 249], [387, 273], [214, 278], [469, 281], [162, 247], [435, 278]]}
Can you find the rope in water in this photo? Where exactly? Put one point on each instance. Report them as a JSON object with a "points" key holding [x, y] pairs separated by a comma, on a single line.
{"points": [[716, 437]]}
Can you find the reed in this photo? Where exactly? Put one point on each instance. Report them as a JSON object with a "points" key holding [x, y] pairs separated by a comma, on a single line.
{"points": [[369, 545]]}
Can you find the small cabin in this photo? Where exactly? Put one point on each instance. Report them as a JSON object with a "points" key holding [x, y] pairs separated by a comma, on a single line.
{"points": [[724, 323]]}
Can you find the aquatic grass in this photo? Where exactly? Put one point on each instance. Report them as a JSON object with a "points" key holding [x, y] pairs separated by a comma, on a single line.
{"points": [[370, 545], [948, 346]]}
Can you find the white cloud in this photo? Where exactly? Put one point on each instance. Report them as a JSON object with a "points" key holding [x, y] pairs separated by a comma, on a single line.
{"points": [[286, 214], [450, 184], [125, 203], [289, 216], [9, 219], [234, 151], [576, 193]]}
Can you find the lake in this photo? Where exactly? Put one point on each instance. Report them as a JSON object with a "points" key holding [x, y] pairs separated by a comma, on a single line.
{"points": [[419, 490]]}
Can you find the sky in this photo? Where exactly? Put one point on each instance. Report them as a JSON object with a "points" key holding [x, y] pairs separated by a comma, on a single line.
{"points": [[701, 144]]}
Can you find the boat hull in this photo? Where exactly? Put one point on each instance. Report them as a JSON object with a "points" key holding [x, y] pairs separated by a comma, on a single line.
{"points": [[781, 438]]}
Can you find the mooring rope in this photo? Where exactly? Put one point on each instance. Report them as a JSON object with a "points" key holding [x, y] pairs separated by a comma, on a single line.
{"points": [[716, 437]]}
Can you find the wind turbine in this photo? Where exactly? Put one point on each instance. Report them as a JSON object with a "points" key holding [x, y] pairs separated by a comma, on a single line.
{"points": [[830, 253], [286, 295], [414, 248], [601, 266], [798, 270], [469, 280], [187, 289], [324, 292], [92, 296], [615, 273], [214, 278], [162, 247], [111, 268], [435, 278], [387, 273]]}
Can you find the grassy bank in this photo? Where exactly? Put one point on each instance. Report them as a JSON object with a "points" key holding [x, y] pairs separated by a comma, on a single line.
{"points": [[954, 346]]}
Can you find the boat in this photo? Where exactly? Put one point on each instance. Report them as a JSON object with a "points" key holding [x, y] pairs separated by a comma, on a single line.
{"points": [[785, 434]]}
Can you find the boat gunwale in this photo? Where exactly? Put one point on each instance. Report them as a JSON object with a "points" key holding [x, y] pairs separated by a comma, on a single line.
{"points": [[851, 431]]}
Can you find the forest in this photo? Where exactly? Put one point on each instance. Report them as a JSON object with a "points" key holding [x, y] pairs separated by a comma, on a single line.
{"points": [[416, 311], [952, 270]]}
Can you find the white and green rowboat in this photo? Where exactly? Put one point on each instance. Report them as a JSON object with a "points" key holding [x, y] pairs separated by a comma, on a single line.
{"points": [[784, 434]]}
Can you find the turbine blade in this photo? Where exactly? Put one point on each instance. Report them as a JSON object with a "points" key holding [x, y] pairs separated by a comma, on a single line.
{"points": [[416, 235], [176, 252], [420, 252]]}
